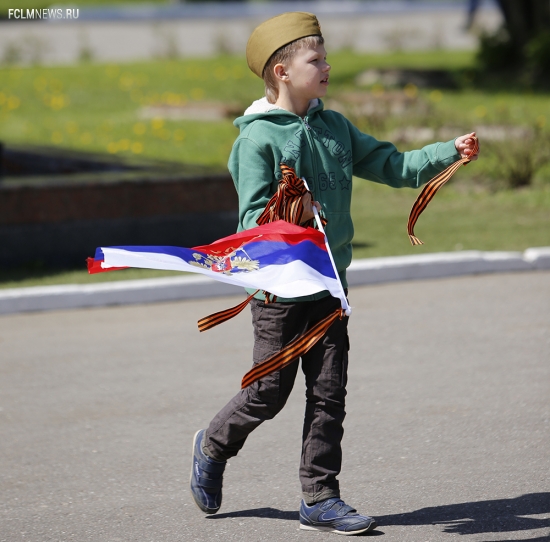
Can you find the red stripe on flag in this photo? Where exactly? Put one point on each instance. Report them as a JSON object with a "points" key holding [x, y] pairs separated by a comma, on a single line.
{"points": [[274, 231], [94, 266]]}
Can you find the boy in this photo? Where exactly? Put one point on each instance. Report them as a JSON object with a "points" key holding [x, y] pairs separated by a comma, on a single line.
{"points": [[289, 126]]}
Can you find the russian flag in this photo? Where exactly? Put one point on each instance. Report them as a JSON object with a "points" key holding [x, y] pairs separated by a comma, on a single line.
{"points": [[281, 258]]}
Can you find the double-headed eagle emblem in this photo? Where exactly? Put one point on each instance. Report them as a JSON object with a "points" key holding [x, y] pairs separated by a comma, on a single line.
{"points": [[228, 263]]}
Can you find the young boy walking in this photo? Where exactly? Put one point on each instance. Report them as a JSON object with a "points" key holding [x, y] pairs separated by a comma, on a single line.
{"points": [[289, 126]]}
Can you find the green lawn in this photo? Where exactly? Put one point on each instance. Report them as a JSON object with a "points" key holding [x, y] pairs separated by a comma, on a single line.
{"points": [[459, 218], [100, 107], [20, 278], [103, 108]]}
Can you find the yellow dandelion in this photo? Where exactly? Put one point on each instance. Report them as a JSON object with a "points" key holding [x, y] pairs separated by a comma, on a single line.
{"points": [[124, 144], [238, 72], [112, 147], [56, 85], [71, 127], [139, 128], [40, 83], [221, 73], [57, 137], [59, 101], [152, 98], [436, 96], [86, 138], [137, 148], [377, 90], [136, 95], [172, 99], [157, 123], [126, 81], [179, 135], [13, 103], [112, 70], [480, 111], [193, 72], [541, 121], [3, 98], [410, 90], [197, 94]]}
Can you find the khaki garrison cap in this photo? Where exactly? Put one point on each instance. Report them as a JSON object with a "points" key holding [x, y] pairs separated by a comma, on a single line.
{"points": [[277, 32]]}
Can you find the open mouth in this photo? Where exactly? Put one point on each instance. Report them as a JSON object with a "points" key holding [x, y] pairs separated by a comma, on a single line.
{"points": [[325, 80]]}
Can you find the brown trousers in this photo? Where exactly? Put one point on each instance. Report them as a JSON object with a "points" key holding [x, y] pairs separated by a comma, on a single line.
{"points": [[325, 369]]}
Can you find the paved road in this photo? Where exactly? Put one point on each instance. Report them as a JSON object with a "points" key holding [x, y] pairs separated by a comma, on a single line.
{"points": [[447, 434]]}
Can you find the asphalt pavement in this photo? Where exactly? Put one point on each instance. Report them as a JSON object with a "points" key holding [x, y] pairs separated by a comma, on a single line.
{"points": [[447, 434]]}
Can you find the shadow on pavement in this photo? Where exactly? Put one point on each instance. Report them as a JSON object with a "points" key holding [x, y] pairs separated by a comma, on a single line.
{"points": [[272, 513], [496, 516]]}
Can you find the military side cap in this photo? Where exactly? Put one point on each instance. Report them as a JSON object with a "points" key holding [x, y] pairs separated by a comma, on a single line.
{"points": [[277, 32]]}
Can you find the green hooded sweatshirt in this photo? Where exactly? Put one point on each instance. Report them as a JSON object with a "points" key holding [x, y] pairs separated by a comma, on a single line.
{"points": [[328, 151]]}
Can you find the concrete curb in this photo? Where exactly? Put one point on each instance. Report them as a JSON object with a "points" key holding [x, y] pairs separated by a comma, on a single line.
{"points": [[360, 272]]}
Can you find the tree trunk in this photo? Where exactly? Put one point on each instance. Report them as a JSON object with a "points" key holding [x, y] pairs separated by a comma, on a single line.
{"points": [[525, 19]]}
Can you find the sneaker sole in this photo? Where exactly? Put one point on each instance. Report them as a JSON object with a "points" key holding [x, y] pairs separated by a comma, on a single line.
{"points": [[336, 531], [197, 502]]}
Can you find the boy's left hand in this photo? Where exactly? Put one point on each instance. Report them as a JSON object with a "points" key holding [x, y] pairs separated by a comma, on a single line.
{"points": [[465, 146], [308, 205]]}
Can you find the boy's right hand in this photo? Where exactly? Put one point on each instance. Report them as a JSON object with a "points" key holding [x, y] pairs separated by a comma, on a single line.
{"points": [[465, 146], [308, 207]]}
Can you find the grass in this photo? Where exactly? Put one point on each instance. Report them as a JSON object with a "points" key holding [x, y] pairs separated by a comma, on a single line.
{"points": [[37, 276], [99, 107], [459, 218]]}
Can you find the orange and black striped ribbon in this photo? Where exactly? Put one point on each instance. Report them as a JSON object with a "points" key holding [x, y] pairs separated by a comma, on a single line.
{"points": [[430, 190], [298, 347], [286, 203], [208, 322]]}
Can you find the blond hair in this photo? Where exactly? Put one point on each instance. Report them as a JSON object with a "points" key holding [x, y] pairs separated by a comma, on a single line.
{"points": [[283, 56]]}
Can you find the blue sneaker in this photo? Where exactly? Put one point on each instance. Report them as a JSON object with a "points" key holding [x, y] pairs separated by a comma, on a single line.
{"points": [[335, 516], [206, 478]]}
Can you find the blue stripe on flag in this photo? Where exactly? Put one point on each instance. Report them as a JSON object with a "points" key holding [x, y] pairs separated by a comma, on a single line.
{"points": [[266, 252], [277, 253]]}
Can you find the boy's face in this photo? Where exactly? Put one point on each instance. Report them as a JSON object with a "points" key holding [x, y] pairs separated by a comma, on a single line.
{"points": [[308, 73]]}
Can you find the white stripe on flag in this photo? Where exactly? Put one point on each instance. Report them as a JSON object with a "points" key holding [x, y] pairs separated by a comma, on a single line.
{"points": [[294, 279]]}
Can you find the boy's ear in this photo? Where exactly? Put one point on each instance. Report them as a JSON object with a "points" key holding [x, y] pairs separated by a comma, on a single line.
{"points": [[280, 72]]}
